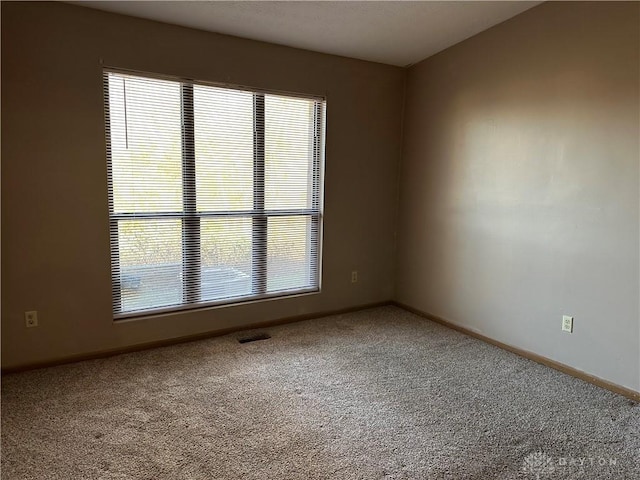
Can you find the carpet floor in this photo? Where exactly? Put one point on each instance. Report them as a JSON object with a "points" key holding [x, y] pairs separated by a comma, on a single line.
{"points": [[376, 394]]}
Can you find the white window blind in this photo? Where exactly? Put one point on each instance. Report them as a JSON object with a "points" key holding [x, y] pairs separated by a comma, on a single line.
{"points": [[215, 193]]}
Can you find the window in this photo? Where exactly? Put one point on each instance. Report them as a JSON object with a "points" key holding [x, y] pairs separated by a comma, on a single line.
{"points": [[215, 193]]}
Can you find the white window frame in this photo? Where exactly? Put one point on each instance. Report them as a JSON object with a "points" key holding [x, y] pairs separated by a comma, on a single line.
{"points": [[191, 217]]}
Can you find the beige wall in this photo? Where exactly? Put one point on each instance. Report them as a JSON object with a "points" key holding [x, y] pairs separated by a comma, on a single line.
{"points": [[55, 239], [519, 186]]}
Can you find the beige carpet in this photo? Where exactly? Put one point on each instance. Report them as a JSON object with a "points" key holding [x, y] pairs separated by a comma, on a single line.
{"points": [[378, 394]]}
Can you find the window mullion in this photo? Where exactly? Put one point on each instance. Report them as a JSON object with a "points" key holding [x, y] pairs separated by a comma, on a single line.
{"points": [[259, 228], [191, 221]]}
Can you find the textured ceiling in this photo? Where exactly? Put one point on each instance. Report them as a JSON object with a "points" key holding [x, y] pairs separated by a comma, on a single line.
{"points": [[395, 33]]}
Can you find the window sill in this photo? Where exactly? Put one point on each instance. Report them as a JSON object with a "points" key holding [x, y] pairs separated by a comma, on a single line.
{"points": [[226, 303]]}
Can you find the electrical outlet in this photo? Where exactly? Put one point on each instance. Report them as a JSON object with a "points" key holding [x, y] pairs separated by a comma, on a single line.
{"points": [[354, 276], [31, 319], [567, 323]]}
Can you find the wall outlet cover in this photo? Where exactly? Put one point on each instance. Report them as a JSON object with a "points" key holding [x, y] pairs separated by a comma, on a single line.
{"points": [[31, 319]]}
